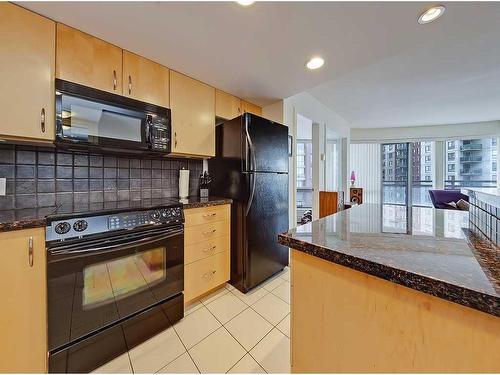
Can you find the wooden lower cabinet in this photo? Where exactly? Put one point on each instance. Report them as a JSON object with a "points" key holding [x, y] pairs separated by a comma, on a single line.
{"points": [[207, 245], [204, 249], [23, 315], [206, 274]]}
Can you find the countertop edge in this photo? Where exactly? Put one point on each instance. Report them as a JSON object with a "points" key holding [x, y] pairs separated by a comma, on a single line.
{"points": [[218, 202], [434, 287]]}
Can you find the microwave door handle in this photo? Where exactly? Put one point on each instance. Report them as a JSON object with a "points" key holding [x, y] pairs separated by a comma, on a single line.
{"points": [[111, 248], [149, 129]]}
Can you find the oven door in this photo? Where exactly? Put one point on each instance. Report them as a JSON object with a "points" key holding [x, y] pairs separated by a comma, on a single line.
{"points": [[92, 284]]}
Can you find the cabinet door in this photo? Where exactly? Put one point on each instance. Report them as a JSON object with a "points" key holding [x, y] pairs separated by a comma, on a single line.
{"points": [[193, 116], [145, 80], [251, 108], [27, 53], [227, 106], [23, 316], [89, 61]]}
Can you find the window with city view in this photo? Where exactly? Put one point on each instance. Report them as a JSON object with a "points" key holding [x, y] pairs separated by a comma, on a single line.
{"points": [[397, 160], [471, 163]]}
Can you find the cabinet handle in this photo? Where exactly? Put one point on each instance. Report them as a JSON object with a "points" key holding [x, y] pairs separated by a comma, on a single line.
{"points": [[207, 250], [175, 139], [42, 120], [209, 232], [209, 273], [210, 215], [30, 251], [129, 85], [114, 80]]}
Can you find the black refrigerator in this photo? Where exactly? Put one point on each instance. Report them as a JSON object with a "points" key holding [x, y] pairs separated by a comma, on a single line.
{"points": [[251, 167]]}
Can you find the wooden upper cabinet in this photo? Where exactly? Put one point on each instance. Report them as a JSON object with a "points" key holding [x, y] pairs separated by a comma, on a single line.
{"points": [[145, 80], [84, 59], [193, 116], [227, 106], [251, 108], [23, 317], [27, 54]]}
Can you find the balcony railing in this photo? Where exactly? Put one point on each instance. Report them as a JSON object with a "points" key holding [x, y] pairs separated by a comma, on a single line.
{"points": [[471, 147], [471, 159], [458, 184], [471, 172]]}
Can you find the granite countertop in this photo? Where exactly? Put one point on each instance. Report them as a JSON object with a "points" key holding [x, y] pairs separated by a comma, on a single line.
{"points": [[425, 249], [39, 217]]}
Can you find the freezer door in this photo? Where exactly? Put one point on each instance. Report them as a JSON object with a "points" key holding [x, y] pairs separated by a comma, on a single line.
{"points": [[266, 145], [266, 217]]}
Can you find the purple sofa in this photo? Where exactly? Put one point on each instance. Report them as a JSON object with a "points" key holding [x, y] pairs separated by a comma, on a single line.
{"points": [[439, 198]]}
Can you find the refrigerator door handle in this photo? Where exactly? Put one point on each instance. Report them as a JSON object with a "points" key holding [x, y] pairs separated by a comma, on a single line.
{"points": [[252, 192], [250, 152], [252, 168]]}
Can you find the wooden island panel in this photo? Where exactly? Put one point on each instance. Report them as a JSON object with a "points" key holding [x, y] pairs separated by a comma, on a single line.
{"points": [[343, 320]]}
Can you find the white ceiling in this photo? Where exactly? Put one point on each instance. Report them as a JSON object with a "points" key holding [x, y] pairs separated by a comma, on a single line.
{"points": [[382, 68]]}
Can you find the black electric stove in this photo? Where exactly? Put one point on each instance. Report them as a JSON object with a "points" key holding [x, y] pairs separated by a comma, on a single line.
{"points": [[114, 278]]}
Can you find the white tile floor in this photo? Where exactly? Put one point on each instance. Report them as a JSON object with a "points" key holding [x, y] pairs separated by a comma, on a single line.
{"points": [[226, 331]]}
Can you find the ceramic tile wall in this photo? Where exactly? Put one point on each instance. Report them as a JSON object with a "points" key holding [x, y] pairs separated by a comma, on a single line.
{"points": [[42, 177], [484, 219]]}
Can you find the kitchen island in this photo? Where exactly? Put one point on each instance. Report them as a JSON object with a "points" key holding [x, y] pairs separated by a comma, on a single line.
{"points": [[389, 289]]}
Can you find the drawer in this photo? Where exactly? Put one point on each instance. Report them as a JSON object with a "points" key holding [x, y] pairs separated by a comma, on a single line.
{"points": [[206, 248], [205, 274], [203, 215], [204, 232]]}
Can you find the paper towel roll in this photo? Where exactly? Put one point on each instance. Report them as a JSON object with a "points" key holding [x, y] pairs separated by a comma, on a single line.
{"points": [[183, 183]]}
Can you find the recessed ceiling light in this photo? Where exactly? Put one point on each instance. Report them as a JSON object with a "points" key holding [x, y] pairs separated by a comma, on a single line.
{"points": [[245, 3], [315, 63], [431, 14]]}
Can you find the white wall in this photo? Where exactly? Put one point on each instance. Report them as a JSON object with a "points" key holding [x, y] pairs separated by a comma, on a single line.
{"points": [[365, 161], [420, 133]]}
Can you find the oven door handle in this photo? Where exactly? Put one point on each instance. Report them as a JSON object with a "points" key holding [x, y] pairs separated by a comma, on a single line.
{"points": [[110, 248]]}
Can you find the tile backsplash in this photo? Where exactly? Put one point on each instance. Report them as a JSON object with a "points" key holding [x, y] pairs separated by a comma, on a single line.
{"points": [[42, 177], [484, 219]]}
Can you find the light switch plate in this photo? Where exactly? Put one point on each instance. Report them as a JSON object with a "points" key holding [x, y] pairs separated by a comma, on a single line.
{"points": [[3, 182]]}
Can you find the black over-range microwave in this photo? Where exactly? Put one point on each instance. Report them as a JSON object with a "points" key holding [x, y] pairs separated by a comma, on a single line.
{"points": [[91, 118]]}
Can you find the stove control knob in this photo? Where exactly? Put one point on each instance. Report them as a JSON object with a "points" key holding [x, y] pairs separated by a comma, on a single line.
{"points": [[63, 227], [80, 225], [156, 215]]}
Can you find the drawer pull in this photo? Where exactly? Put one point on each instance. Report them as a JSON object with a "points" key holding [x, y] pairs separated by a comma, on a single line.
{"points": [[115, 81], [209, 249], [209, 274], [209, 232], [210, 215]]}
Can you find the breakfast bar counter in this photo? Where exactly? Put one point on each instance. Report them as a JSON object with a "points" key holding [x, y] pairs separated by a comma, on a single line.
{"points": [[390, 289]]}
